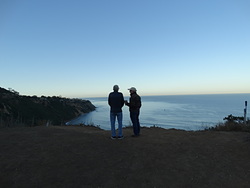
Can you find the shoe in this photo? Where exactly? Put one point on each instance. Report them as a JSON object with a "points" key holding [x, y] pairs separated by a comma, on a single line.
{"points": [[120, 137], [113, 137], [135, 135]]}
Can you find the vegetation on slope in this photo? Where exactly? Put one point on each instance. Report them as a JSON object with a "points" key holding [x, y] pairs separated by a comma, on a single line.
{"points": [[26, 110], [233, 123]]}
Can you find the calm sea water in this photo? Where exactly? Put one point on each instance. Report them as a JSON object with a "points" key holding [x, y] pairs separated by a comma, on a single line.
{"points": [[187, 112]]}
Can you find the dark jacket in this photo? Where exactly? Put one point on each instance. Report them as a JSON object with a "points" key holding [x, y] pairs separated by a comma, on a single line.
{"points": [[116, 101], [134, 102]]}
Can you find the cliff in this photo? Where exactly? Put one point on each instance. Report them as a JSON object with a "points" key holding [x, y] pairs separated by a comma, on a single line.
{"points": [[16, 109]]}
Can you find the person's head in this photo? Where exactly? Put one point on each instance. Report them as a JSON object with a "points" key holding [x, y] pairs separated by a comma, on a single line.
{"points": [[116, 88], [132, 90]]}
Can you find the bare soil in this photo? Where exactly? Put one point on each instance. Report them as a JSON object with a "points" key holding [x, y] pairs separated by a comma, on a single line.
{"points": [[65, 156]]}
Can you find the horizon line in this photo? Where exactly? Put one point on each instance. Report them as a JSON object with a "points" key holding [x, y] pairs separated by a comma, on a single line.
{"points": [[175, 95]]}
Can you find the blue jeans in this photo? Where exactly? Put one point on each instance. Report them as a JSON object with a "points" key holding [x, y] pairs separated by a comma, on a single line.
{"points": [[112, 121], [134, 116]]}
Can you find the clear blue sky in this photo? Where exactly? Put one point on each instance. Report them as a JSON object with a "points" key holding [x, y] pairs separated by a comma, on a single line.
{"points": [[81, 48]]}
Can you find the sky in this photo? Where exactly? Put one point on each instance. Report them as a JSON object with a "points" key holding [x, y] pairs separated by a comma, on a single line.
{"points": [[81, 48]]}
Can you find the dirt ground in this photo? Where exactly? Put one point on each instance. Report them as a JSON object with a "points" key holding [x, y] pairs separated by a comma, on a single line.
{"points": [[64, 156]]}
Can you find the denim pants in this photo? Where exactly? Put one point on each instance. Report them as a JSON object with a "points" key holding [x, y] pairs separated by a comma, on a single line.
{"points": [[112, 121], [134, 116]]}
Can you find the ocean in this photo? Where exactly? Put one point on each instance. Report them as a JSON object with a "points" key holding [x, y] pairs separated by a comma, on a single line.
{"points": [[185, 112]]}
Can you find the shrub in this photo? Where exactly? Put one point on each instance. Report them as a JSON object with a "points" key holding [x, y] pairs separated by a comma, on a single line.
{"points": [[233, 123]]}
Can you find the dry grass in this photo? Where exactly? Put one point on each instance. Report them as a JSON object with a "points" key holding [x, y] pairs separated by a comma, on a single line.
{"points": [[87, 157]]}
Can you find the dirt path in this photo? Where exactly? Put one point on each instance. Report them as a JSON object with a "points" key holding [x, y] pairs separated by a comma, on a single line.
{"points": [[87, 157]]}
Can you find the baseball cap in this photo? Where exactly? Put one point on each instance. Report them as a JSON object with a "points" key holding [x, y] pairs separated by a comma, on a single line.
{"points": [[132, 89]]}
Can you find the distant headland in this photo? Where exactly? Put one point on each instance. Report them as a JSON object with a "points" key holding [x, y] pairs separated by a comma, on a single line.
{"points": [[20, 110]]}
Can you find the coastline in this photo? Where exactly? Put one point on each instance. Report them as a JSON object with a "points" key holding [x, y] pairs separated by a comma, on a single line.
{"points": [[186, 112]]}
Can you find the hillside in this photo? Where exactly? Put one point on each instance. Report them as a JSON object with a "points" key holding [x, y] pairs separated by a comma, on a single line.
{"points": [[18, 110]]}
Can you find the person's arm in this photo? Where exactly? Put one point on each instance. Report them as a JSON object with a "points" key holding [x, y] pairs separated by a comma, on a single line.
{"points": [[122, 100], [127, 103], [109, 100]]}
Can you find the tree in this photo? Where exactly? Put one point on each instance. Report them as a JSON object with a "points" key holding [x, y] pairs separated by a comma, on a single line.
{"points": [[13, 91]]}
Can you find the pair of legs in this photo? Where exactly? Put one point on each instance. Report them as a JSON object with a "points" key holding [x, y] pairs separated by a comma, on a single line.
{"points": [[113, 117], [134, 116]]}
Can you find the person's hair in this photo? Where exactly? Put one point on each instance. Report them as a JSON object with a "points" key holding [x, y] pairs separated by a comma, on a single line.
{"points": [[116, 88]]}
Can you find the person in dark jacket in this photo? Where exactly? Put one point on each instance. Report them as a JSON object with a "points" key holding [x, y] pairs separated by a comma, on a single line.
{"points": [[116, 102], [134, 109]]}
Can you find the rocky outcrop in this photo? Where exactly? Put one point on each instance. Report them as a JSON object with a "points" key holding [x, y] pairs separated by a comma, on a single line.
{"points": [[16, 109]]}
